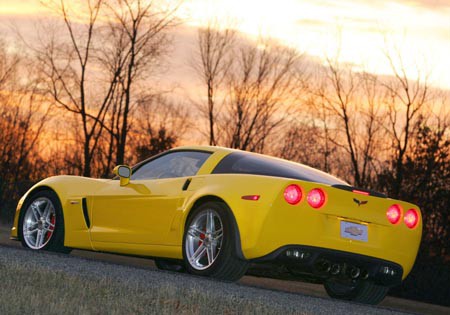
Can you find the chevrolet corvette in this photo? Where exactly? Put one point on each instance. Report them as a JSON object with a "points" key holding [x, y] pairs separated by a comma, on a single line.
{"points": [[213, 211]]}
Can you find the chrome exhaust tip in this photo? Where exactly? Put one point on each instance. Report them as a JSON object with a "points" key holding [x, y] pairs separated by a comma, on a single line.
{"points": [[324, 266], [335, 269], [364, 274], [355, 272]]}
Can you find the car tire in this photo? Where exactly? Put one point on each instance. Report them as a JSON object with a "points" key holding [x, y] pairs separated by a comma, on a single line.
{"points": [[362, 291], [169, 265], [41, 223], [210, 249]]}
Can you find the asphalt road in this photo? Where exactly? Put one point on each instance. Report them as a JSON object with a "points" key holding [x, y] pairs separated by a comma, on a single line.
{"points": [[310, 298]]}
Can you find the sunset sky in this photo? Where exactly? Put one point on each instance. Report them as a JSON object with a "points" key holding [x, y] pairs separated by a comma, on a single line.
{"points": [[420, 29]]}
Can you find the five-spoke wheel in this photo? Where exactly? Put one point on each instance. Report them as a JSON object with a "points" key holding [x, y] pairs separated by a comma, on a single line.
{"points": [[210, 243], [204, 239], [41, 224]]}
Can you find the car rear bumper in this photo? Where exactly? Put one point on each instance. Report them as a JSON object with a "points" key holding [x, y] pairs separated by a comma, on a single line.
{"points": [[328, 263], [268, 227]]}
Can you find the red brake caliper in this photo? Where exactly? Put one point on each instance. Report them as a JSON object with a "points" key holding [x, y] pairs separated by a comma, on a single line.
{"points": [[51, 228], [202, 237]]}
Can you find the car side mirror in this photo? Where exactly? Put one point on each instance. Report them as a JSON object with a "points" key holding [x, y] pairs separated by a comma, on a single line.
{"points": [[124, 172]]}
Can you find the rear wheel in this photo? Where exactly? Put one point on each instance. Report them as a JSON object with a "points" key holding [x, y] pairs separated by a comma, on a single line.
{"points": [[362, 291], [209, 243], [41, 225]]}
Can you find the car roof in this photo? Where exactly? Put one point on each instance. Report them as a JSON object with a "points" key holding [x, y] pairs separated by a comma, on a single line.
{"points": [[221, 152], [204, 148]]}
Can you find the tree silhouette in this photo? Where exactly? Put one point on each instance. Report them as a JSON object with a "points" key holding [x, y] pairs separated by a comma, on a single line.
{"points": [[212, 64]]}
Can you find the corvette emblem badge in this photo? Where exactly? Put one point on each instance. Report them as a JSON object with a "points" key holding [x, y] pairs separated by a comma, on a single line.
{"points": [[360, 202], [353, 230]]}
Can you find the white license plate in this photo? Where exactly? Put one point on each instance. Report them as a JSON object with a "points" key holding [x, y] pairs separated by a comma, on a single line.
{"points": [[354, 231]]}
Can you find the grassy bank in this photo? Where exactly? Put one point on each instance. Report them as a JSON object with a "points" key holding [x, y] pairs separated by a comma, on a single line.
{"points": [[47, 283], [42, 291]]}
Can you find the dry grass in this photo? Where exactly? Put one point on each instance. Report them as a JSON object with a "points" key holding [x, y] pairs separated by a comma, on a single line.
{"points": [[42, 291]]}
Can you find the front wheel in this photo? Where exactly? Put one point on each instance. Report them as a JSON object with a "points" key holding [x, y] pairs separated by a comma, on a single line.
{"points": [[362, 291], [41, 224], [209, 243]]}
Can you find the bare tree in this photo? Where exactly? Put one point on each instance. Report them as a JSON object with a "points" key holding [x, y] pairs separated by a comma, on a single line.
{"points": [[426, 177], [9, 64], [353, 100], [94, 69], [139, 30], [23, 115], [303, 142], [260, 91], [405, 99], [69, 65], [62, 158], [159, 123], [371, 143], [212, 65], [321, 122], [162, 124], [337, 93]]}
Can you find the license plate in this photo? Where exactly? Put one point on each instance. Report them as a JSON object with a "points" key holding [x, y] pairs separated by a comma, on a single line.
{"points": [[354, 231]]}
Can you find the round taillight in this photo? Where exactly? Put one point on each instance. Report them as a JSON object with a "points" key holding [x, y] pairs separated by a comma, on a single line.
{"points": [[411, 218], [293, 194], [394, 214], [316, 198]]}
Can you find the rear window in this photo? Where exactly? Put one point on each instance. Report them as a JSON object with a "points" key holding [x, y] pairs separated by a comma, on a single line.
{"points": [[248, 163]]}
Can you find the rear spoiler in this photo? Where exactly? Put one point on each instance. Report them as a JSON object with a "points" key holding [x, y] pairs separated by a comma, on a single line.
{"points": [[360, 190]]}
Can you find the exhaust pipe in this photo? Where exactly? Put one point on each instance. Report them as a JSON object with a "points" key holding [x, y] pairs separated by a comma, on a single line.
{"points": [[364, 274], [335, 269], [354, 272], [324, 266]]}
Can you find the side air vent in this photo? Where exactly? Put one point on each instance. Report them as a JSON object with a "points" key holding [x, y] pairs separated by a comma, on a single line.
{"points": [[186, 184], [86, 213]]}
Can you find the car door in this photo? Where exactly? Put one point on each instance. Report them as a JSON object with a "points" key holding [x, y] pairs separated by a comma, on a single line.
{"points": [[142, 211]]}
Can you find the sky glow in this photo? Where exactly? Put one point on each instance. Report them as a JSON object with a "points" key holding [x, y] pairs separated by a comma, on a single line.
{"points": [[359, 30]]}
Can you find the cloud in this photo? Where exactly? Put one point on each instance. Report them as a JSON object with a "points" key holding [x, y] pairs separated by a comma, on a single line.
{"points": [[429, 4], [21, 8]]}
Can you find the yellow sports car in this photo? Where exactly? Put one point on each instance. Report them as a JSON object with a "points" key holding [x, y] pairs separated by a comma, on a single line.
{"points": [[212, 211]]}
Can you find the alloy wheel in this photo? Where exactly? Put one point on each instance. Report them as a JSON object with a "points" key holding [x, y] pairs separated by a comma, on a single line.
{"points": [[204, 239], [39, 223]]}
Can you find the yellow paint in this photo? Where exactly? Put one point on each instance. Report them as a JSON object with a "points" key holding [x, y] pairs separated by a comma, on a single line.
{"points": [[147, 217]]}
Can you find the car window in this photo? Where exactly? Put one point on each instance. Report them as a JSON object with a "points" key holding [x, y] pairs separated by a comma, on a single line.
{"points": [[171, 165], [247, 163]]}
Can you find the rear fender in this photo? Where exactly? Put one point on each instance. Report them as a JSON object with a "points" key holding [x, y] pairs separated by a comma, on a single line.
{"points": [[249, 215], [206, 198]]}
